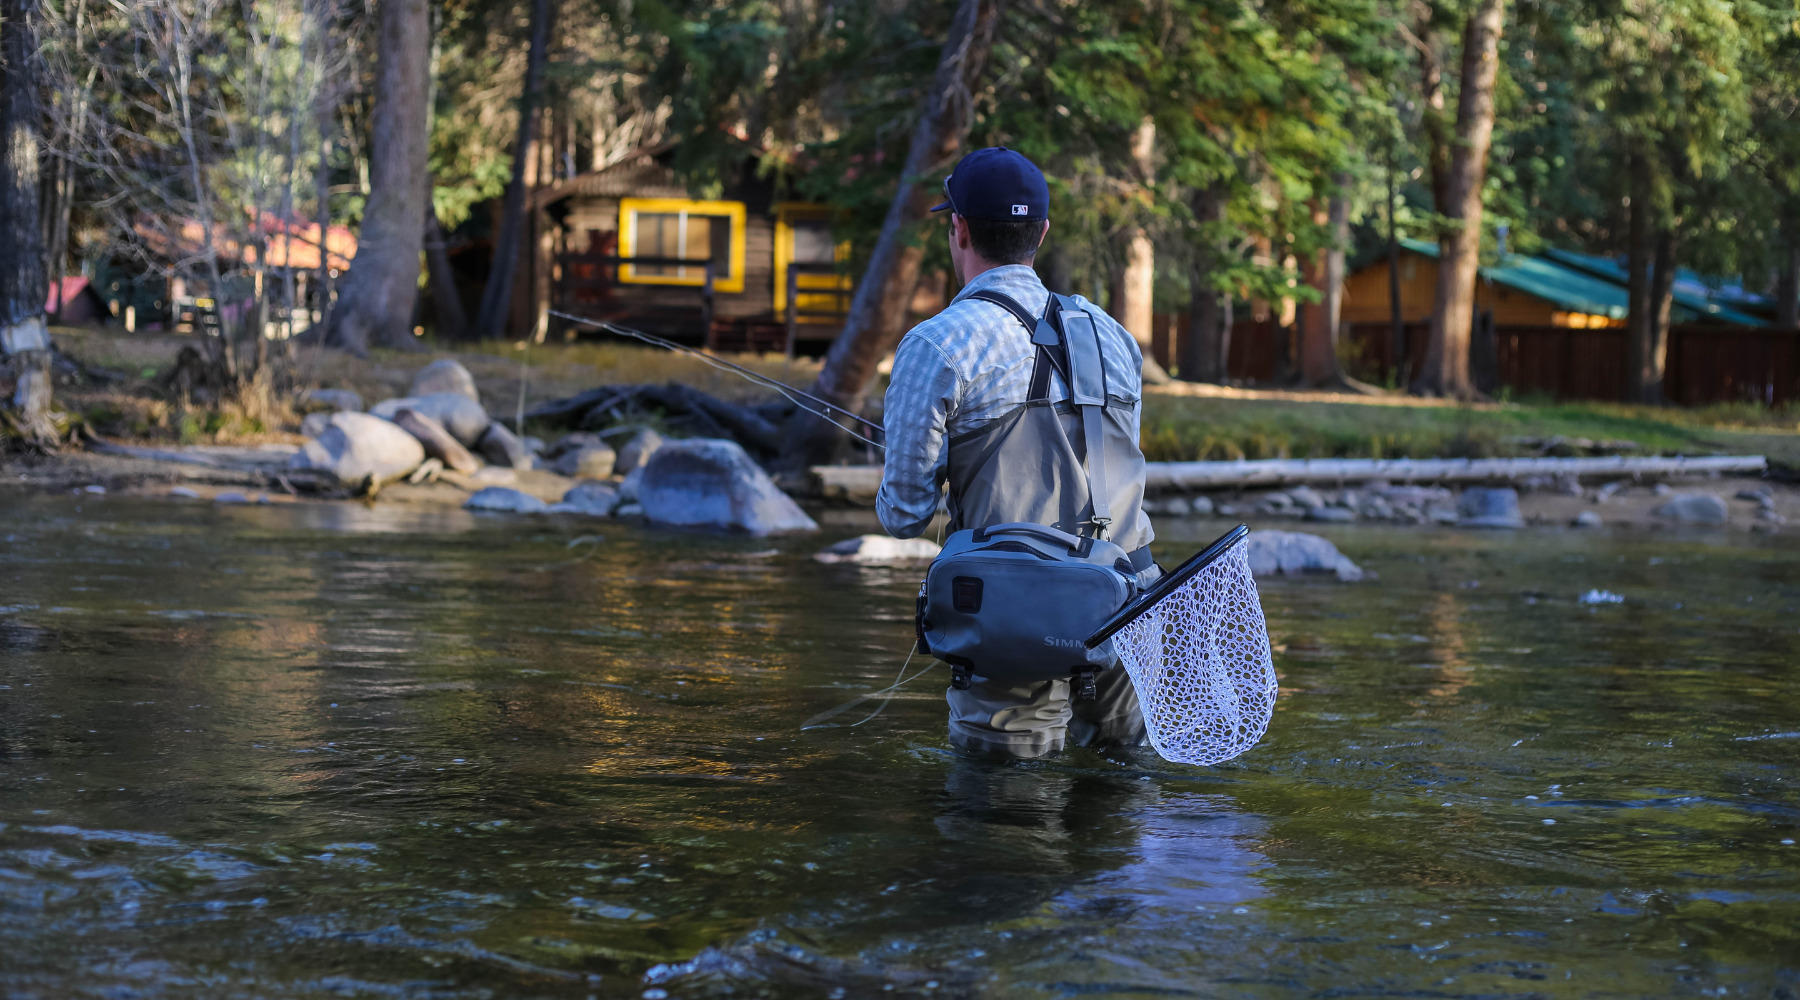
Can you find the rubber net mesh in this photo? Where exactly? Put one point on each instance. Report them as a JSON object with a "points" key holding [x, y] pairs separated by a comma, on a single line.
{"points": [[1200, 661]]}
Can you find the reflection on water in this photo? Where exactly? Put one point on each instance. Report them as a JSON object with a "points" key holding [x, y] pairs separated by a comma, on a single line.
{"points": [[341, 750]]}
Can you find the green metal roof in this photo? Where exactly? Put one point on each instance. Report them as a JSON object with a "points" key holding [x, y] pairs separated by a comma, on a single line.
{"points": [[1564, 287], [1701, 306]]}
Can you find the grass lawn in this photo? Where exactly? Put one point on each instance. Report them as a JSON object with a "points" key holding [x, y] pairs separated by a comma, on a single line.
{"points": [[1176, 427], [1180, 428]]}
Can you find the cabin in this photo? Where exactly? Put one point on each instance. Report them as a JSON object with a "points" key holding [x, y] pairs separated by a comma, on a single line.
{"points": [[631, 244], [72, 301]]}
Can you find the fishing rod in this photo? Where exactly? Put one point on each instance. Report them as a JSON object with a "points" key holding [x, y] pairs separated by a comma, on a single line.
{"points": [[793, 395]]}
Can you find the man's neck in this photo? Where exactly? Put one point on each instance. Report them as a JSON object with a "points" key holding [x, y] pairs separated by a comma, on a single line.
{"points": [[974, 267]]}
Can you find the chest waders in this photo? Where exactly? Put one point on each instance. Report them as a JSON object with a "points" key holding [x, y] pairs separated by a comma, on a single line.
{"points": [[1048, 535]]}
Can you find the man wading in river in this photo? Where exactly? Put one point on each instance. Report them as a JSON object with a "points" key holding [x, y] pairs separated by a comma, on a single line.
{"points": [[969, 405]]}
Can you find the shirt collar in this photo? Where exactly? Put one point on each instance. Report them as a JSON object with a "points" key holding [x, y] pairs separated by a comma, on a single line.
{"points": [[998, 278]]}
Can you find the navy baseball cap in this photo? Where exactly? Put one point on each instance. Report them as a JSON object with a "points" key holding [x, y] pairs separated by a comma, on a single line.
{"points": [[997, 185]]}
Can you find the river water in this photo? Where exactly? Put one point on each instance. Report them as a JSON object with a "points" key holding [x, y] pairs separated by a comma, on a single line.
{"points": [[328, 750]]}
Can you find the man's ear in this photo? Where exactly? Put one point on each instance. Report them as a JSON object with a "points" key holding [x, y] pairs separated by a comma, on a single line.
{"points": [[1045, 234], [959, 231]]}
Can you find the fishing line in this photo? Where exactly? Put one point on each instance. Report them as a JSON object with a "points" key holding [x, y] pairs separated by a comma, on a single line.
{"points": [[793, 395], [900, 680]]}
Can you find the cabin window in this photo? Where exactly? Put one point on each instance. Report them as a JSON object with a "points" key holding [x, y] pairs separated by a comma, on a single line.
{"points": [[680, 230], [803, 236]]}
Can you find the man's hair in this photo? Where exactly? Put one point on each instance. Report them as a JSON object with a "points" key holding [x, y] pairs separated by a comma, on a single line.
{"points": [[1005, 242]]}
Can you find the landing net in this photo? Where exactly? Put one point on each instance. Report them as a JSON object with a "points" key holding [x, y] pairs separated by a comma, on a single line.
{"points": [[1200, 660]]}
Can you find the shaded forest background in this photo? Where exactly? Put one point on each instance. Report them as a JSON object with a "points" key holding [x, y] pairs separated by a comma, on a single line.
{"points": [[1233, 150]]}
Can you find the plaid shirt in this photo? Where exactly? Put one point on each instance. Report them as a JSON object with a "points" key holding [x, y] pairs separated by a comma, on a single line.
{"points": [[964, 368]]}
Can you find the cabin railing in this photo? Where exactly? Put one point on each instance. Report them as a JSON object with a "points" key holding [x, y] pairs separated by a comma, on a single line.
{"points": [[840, 294]]}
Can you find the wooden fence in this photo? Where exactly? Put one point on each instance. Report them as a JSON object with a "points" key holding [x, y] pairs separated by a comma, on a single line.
{"points": [[1706, 364]]}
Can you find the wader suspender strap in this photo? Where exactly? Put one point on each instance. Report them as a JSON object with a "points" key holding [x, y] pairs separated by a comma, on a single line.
{"points": [[1081, 369]]}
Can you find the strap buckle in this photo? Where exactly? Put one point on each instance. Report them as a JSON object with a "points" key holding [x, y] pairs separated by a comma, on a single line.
{"points": [[959, 676], [1083, 686]]}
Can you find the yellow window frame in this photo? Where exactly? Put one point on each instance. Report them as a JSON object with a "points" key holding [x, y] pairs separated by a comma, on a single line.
{"points": [[786, 213], [733, 210]]}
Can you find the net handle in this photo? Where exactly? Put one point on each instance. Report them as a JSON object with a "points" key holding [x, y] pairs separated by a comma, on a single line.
{"points": [[1167, 585]]}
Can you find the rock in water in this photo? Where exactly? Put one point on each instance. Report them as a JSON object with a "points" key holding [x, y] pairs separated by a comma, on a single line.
{"points": [[1177, 507], [1336, 515], [594, 498], [355, 446], [313, 424], [437, 441], [500, 447], [1306, 497], [590, 461], [444, 376], [1485, 508], [709, 482], [638, 450], [461, 416], [1202, 506], [871, 550], [1294, 552], [1694, 508], [500, 498], [1586, 519], [331, 400]]}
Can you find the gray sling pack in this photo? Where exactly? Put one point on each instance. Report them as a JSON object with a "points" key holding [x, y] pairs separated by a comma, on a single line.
{"points": [[1012, 602]]}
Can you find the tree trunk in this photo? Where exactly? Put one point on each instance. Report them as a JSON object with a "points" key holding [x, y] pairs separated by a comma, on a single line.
{"points": [[496, 298], [1662, 302], [1134, 296], [1432, 117], [878, 309], [1640, 256], [1209, 310], [1319, 320], [22, 283], [1396, 316], [375, 303], [445, 303], [1446, 370], [1787, 285]]}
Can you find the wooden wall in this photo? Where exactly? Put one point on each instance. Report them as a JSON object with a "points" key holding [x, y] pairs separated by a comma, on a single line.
{"points": [[1366, 296]]}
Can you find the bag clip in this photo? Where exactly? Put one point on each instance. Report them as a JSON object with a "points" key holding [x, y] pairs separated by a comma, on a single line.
{"points": [[959, 676], [1083, 686]]}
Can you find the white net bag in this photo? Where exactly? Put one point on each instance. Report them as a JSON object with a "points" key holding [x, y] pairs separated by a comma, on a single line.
{"points": [[1199, 657]]}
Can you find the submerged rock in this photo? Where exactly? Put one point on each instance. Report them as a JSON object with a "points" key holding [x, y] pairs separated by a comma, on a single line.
{"points": [[1292, 553], [500, 447], [869, 550], [1489, 508], [1694, 508], [709, 482], [444, 375], [461, 416], [355, 446], [500, 498], [1332, 515]]}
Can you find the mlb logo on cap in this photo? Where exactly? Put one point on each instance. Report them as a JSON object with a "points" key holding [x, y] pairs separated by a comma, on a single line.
{"points": [[996, 184]]}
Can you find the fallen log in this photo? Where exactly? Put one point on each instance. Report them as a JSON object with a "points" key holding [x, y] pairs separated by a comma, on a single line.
{"points": [[861, 481], [713, 417], [438, 442]]}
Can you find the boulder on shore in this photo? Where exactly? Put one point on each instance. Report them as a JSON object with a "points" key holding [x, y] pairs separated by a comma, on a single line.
{"points": [[637, 451], [444, 375], [592, 497], [500, 447], [1489, 508], [461, 416], [711, 482], [1292, 553], [590, 461], [355, 446], [330, 400], [875, 550], [503, 499], [1694, 508], [438, 442]]}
